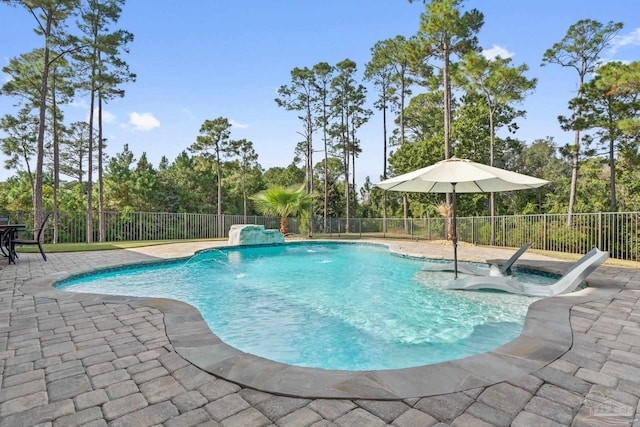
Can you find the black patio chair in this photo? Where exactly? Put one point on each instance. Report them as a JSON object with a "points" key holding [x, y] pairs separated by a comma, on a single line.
{"points": [[37, 241], [4, 220]]}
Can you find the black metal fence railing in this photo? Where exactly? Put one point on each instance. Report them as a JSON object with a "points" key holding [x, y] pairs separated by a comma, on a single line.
{"points": [[618, 233], [140, 226]]}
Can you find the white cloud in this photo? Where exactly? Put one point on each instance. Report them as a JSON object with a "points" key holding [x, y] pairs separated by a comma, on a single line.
{"points": [[80, 103], [631, 39], [188, 113], [496, 51], [143, 121], [237, 125], [107, 117]]}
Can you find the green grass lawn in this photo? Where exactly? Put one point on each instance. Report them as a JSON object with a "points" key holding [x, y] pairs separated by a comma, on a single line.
{"points": [[98, 246]]}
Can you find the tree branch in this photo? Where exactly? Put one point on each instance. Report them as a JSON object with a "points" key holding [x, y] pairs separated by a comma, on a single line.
{"points": [[64, 52], [37, 19]]}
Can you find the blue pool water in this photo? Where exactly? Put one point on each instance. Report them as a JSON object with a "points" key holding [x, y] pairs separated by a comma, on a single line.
{"points": [[327, 305]]}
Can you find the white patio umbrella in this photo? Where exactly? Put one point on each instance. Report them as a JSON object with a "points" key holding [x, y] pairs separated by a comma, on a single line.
{"points": [[460, 176]]}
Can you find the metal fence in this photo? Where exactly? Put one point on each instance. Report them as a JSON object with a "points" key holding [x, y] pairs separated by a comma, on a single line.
{"points": [[141, 226], [618, 233]]}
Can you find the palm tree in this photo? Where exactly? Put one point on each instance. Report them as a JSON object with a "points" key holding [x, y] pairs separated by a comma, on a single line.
{"points": [[445, 210], [283, 202]]}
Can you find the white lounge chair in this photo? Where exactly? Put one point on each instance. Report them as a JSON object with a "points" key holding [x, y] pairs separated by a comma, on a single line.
{"points": [[567, 283], [467, 268]]}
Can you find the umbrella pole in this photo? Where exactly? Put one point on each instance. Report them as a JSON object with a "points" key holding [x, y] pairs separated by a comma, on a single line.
{"points": [[455, 233]]}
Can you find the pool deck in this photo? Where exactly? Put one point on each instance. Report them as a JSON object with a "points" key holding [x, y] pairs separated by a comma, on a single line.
{"points": [[88, 360]]}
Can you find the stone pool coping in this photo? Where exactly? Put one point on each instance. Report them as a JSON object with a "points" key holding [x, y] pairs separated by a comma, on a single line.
{"points": [[546, 336]]}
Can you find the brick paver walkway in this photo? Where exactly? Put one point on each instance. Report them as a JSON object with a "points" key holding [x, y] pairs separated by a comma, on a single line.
{"points": [[90, 363]]}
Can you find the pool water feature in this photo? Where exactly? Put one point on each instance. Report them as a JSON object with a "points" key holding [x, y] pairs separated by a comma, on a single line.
{"points": [[327, 305]]}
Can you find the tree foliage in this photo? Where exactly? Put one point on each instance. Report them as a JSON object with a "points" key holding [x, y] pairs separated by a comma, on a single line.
{"points": [[437, 95], [283, 202], [579, 49]]}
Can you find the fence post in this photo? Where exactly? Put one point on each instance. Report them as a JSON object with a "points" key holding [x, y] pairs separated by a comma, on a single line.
{"points": [[360, 226], [473, 230], [544, 231], [600, 230]]}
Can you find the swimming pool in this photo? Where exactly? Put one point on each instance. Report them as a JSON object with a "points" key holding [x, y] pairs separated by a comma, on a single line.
{"points": [[328, 305]]}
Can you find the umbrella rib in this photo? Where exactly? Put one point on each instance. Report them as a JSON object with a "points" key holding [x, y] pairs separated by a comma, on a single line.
{"points": [[433, 184], [482, 190], [392, 187]]}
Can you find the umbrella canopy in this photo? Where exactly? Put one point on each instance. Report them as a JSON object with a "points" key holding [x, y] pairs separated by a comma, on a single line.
{"points": [[466, 176], [460, 176]]}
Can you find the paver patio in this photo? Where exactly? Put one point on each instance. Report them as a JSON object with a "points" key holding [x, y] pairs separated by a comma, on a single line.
{"points": [[91, 360]]}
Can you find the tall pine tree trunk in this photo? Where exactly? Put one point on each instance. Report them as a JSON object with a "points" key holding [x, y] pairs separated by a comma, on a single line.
{"points": [[101, 221], [405, 203], [56, 161], [575, 158], [492, 200], [574, 178], [384, 164], [345, 139], [612, 176], [447, 108], [37, 187], [326, 172], [219, 207], [92, 101]]}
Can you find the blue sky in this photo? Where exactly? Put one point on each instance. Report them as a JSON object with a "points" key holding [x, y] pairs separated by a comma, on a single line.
{"points": [[201, 59]]}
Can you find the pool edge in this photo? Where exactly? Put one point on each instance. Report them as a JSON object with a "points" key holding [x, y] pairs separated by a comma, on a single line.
{"points": [[547, 335]]}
